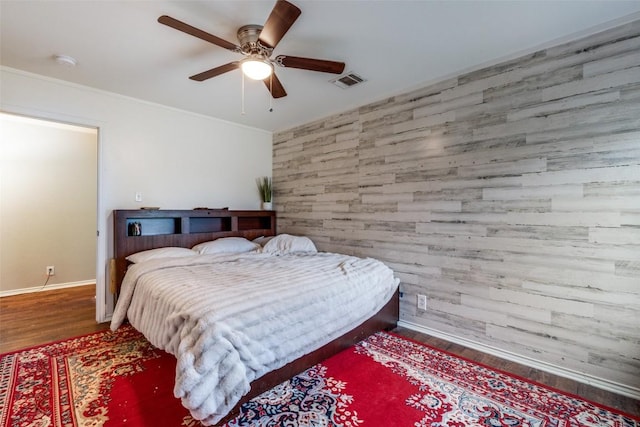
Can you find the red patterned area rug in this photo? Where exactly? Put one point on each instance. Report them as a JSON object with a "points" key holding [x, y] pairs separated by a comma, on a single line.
{"points": [[113, 379]]}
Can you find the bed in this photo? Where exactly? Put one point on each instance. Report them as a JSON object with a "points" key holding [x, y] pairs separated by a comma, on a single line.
{"points": [[263, 317]]}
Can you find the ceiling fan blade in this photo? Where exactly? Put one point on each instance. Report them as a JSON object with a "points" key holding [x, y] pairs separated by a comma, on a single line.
{"points": [[274, 86], [282, 17], [310, 64], [215, 71], [186, 28]]}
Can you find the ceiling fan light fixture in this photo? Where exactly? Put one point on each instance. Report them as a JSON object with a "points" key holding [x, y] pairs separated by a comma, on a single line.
{"points": [[256, 68]]}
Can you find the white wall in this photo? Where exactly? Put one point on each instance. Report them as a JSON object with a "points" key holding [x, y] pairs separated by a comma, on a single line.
{"points": [[48, 199], [176, 159]]}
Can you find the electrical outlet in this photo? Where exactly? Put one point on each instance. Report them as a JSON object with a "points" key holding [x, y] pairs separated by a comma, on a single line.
{"points": [[138, 197], [422, 302], [51, 270]]}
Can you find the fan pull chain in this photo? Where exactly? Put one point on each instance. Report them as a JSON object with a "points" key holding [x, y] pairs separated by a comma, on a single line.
{"points": [[242, 98], [271, 92]]}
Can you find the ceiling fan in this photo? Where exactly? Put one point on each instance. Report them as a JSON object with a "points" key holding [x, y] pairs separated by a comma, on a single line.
{"points": [[257, 43]]}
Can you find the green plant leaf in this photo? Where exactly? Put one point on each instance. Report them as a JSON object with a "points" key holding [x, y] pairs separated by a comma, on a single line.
{"points": [[265, 188]]}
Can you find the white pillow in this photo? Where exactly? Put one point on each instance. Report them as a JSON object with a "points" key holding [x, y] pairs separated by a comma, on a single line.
{"points": [[168, 252], [287, 244], [226, 245]]}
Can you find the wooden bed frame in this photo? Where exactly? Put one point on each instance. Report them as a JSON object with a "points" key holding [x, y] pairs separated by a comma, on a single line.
{"points": [[139, 230]]}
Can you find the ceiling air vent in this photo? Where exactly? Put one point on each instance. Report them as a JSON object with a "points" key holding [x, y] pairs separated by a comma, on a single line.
{"points": [[348, 80]]}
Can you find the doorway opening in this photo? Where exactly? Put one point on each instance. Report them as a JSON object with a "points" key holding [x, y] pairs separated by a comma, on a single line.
{"points": [[48, 204]]}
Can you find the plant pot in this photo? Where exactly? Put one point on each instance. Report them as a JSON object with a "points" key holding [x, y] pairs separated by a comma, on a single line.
{"points": [[267, 206]]}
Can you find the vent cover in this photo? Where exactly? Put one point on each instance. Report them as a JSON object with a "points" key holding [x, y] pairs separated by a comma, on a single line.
{"points": [[348, 80]]}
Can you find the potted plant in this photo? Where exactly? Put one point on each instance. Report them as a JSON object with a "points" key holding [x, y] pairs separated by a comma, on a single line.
{"points": [[265, 188]]}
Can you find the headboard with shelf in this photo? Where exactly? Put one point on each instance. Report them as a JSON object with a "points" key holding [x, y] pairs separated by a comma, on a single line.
{"points": [[140, 230]]}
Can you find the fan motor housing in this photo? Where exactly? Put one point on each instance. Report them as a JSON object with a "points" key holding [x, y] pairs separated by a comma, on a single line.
{"points": [[248, 37]]}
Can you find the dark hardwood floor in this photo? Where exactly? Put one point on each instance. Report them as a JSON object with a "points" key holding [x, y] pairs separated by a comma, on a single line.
{"points": [[37, 318], [41, 317]]}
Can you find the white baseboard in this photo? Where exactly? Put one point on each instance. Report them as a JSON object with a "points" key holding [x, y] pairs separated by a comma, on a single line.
{"points": [[47, 288], [604, 384]]}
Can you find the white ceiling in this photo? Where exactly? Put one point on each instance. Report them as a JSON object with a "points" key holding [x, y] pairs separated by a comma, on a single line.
{"points": [[396, 45]]}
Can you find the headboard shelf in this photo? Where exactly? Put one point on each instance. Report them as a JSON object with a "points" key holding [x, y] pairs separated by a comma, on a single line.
{"points": [[153, 226], [143, 229]]}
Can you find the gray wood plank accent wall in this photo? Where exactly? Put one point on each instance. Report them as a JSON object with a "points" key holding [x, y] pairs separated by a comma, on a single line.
{"points": [[509, 196]]}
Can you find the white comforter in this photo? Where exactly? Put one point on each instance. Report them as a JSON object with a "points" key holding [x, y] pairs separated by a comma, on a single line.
{"points": [[229, 319]]}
